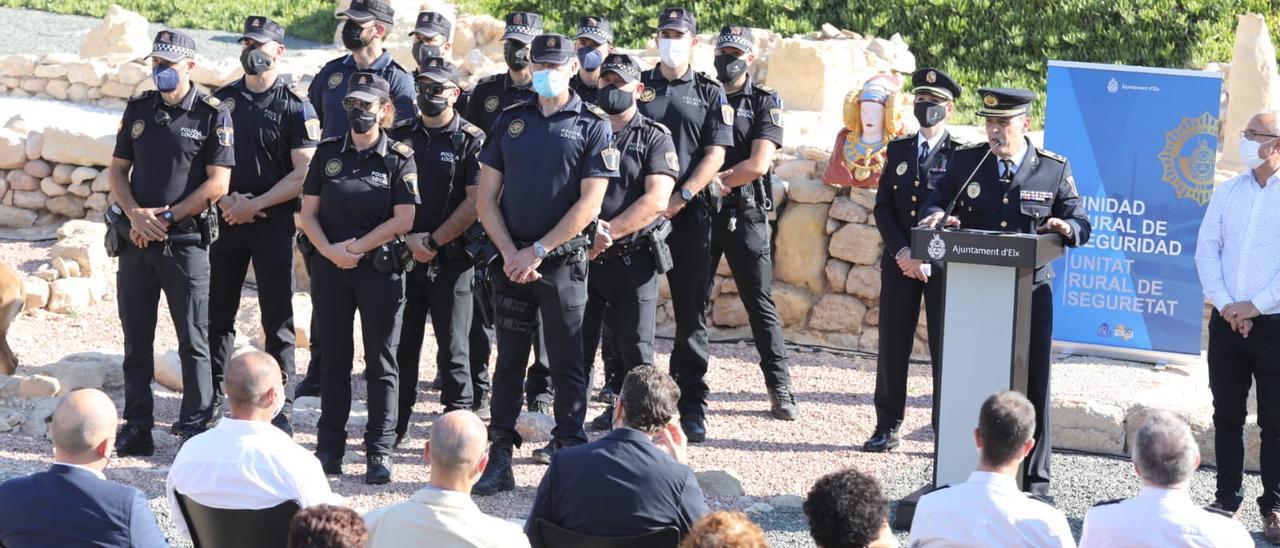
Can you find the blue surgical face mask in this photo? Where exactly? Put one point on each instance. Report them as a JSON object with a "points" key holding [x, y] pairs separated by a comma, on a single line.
{"points": [[548, 83], [591, 58], [165, 77]]}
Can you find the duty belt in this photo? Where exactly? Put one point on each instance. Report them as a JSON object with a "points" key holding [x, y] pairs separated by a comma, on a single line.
{"points": [[636, 245]]}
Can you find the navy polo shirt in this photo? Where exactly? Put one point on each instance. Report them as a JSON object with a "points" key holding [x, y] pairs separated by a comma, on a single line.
{"points": [[329, 88], [359, 189], [587, 92], [647, 149], [543, 160], [270, 125], [447, 161], [757, 115], [172, 145], [694, 108], [491, 95]]}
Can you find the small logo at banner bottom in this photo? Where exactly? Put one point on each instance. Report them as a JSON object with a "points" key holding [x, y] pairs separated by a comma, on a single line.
{"points": [[937, 248], [1104, 330], [1123, 332], [1188, 157], [1113, 86]]}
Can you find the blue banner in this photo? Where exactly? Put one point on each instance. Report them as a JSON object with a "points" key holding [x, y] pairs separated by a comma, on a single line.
{"points": [[1142, 145]]}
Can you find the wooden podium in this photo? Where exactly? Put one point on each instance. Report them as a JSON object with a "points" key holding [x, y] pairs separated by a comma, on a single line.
{"points": [[986, 331]]}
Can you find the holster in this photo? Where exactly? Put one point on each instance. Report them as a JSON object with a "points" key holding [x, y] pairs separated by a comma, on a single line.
{"points": [[207, 225], [393, 257], [657, 238], [304, 244], [514, 314], [117, 230], [483, 292], [477, 247]]}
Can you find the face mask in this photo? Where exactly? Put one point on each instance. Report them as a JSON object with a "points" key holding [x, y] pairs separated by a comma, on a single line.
{"points": [[353, 36], [930, 114], [590, 58], [255, 61], [1249, 153], [279, 403], [165, 77], [614, 100], [516, 55], [550, 83], [361, 121], [729, 68], [675, 53], [432, 105], [422, 51]]}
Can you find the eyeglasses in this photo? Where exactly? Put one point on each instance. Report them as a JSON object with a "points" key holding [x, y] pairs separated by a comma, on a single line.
{"points": [[351, 103], [433, 88], [1255, 136]]}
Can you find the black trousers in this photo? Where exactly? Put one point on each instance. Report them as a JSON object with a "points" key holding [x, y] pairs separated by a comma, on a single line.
{"points": [[622, 293], [447, 300], [614, 372], [183, 276], [899, 315], [537, 384], [1036, 471], [747, 249], [379, 297], [690, 283], [1235, 363], [561, 299], [268, 244]]}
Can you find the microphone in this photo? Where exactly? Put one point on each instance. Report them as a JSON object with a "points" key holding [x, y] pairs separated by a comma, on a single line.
{"points": [[952, 205]]}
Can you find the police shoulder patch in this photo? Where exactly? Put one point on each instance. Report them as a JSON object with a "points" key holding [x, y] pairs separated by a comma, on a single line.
{"points": [[648, 95], [226, 136], [766, 89], [471, 129], [312, 126], [515, 128], [726, 114], [144, 95], [333, 167], [137, 128], [402, 149], [673, 161], [599, 112], [1051, 155], [491, 103], [489, 78], [907, 137], [612, 158], [775, 116], [213, 102], [334, 80], [411, 182]]}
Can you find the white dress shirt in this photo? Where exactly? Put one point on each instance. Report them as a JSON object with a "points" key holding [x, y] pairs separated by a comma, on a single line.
{"points": [[1237, 255], [245, 465], [987, 510], [933, 143], [1157, 518], [441, 519]]}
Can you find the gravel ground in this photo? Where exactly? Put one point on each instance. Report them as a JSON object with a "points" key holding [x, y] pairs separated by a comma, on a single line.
{"points": [[835, 393]]}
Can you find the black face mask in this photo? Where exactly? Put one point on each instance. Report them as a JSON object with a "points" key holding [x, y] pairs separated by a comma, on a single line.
{"points": [[516, 54], [432, 105], [353, 36], [729, 68], [930, 114], [255, 61], [361, 121], [422, 51], [614, 100]]}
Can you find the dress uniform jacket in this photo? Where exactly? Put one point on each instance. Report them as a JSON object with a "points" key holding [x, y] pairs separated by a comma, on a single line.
{"points": [[1160, 517], [987, 510], [906, 185]]}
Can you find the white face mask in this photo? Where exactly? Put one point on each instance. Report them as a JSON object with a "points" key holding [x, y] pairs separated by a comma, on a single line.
{"points": [[1249, 153], [675, 52], [279, 403]]}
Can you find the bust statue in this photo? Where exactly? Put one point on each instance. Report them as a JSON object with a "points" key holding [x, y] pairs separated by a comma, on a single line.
{"points": [[870, 122]]}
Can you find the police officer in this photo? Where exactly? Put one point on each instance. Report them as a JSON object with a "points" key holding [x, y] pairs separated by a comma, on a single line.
{"points": [[445, 149], [278, 134], [545, 170], [359, 196], [740, 230], [916, 164], [173, 157], [622, 287], [431, 37], [694, 107], [1017, 188], [594, 42]]}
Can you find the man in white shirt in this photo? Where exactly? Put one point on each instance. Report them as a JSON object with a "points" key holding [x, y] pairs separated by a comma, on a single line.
{"points": [[245, 462], [989, 509], [1238, 260], [1165, 454], [442, 514]]}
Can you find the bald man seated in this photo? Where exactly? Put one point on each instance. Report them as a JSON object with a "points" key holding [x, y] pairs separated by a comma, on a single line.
{"points": [[245, 462], [442, 514], [73, 503]]}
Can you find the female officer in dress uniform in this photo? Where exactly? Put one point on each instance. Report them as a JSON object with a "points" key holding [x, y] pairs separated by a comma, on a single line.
{"points": [[359, 196]]}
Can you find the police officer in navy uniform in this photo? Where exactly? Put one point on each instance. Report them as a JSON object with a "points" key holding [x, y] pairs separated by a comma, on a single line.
{"points": [[694, 107], [740, 230], [594, 41], [367, 24], [360, 195], [278, 134], [916, 164], [431, 37], [544, 172], [445, 151], [622, 286], [1018, 188], [173, 157]]}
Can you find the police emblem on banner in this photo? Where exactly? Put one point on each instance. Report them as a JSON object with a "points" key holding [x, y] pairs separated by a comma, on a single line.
{"points": [[647, 95], [335, 79], [937, 248], [515, 128], [673, 160], [226, 136], [491, 104], [333, 167], [726, 112], [1188, 158], [136, 130], [611, 158], [902, 168], [973, 190]]}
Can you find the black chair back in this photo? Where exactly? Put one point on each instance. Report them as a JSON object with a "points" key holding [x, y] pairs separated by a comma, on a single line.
{"points": [[222, 528], [554, 536]]}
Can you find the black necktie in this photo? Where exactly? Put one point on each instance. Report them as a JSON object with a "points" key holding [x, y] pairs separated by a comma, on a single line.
{"points": [[924, 153], [1007, 176]]}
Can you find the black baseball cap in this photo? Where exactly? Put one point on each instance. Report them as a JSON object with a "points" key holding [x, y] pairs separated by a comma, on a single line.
{"points": [[553, 49], [432, 23], [522, 26], [595, 28], [1005, 102], [933, 81], [367, 10], [173, 46], [734, 36], [368, 86], [262, 30], [437, 70], [625, 66], [678, 19]]}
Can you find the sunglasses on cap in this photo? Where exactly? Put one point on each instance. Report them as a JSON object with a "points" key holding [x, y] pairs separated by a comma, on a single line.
{"points": [[351, 103], [433, 88]]}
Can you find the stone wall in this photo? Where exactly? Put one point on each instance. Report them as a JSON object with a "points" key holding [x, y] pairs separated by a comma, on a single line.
{"points": [[52, 171]]}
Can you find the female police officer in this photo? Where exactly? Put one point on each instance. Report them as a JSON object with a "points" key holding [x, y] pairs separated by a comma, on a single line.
{"points": [[359, 195]]}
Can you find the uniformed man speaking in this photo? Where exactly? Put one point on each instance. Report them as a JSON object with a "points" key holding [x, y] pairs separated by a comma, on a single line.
{"points": [[543, 176], [1017, 188], [173, 157]]}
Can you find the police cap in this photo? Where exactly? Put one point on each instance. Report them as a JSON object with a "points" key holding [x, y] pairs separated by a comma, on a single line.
{"points": [[368, 86], [595, 28], [173, 46], [368, 10], [437, 70], [262, 30], [677, 19], [936, 82], [734, 36], [522, 26], [1004, 102], [431, 24], [625, 66], [551, 49]]}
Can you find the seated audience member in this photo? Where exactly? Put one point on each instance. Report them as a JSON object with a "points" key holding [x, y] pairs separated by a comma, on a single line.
{"points": [[625, 483], [245, 461], [442, 515], [725, 529], [989, 510], [73, 503], [327, 526], [847, 509], [1165, 454]]}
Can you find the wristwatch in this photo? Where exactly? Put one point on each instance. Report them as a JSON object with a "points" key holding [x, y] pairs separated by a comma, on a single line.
{"points": [[685, 194], [539, 250], [430, 242], [168, 216]]}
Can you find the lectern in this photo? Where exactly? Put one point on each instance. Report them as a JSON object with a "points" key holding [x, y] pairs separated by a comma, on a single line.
{"points": [[986, 331]]}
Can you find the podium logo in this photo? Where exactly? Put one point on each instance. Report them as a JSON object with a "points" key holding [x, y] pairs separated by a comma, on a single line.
{"points": [[937, 248], [1113, 86], [1188, 157]]}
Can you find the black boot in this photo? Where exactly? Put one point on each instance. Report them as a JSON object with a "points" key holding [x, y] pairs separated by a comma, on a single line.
{"points": [[497, 476], [604, 422], [695, 430], [882, 441], [134, 441], [378, 470], [783, 403]]}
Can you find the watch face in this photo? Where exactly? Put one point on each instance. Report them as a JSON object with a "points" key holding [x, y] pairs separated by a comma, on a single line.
{"points": [[686, 194]]}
